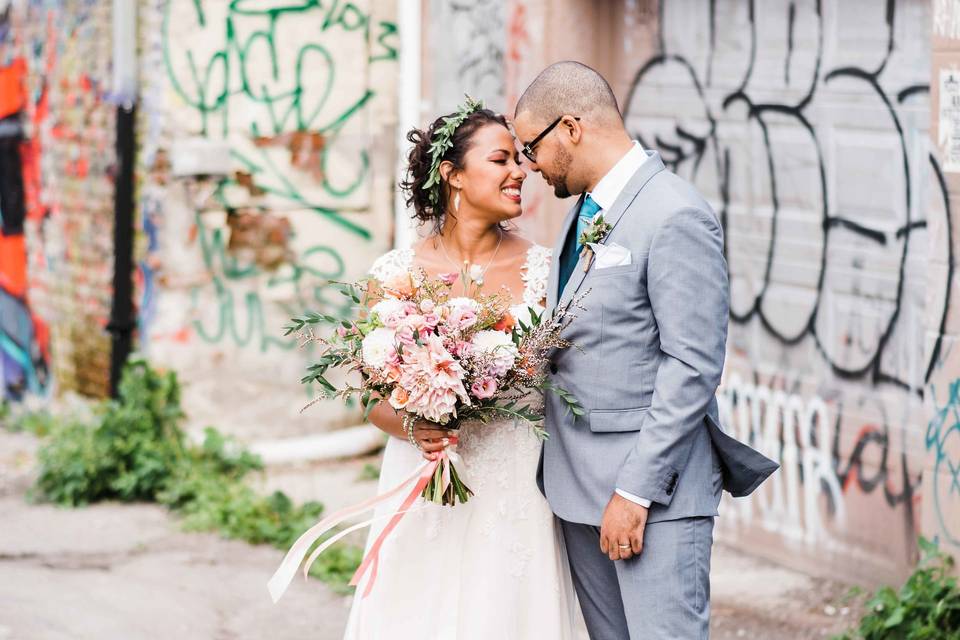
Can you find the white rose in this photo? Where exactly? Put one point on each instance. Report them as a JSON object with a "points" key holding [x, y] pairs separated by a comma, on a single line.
{"points": [[379, 346], [386, 308], [523, 313], [498, 344]]}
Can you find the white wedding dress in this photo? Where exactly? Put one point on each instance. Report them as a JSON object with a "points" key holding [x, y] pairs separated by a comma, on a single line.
{"points": [[492, 568]]}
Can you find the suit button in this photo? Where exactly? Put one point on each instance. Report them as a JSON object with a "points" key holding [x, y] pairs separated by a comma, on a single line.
{"points": [[553, 368], [670, 490]]}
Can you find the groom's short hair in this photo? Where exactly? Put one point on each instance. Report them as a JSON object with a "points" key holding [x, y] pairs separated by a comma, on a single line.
{"points": [[572, 88]]}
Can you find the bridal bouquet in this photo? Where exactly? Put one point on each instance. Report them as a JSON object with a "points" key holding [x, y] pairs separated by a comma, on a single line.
{"points": [[437, 356]]}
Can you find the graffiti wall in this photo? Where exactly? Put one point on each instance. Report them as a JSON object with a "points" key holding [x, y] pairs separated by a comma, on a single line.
{"points": [[491, 51], [56, 197], [941, 495], [266, 164], [807, 125], [267, 150]]}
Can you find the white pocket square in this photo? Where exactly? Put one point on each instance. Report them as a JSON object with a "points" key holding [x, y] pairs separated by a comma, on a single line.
{"points": [[610, 255]]}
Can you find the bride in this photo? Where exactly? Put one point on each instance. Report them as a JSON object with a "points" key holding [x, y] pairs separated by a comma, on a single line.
{"points": [[494, 567]]}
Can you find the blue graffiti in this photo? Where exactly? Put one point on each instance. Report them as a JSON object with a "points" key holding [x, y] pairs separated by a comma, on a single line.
{"points": [[942, 431]]}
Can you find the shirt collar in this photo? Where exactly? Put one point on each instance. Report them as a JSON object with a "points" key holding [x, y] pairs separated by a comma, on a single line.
{"points": [[612, 184]]}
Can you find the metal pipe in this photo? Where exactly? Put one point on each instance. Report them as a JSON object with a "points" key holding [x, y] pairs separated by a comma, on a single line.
{"points": [[408, 109]]}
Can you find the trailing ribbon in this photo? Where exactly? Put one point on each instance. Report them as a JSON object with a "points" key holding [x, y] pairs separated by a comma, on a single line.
{"points": [[372, 559], [278, 584]]}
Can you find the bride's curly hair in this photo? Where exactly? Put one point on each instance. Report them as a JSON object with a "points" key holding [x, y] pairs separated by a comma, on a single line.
{"points": [[419, 161]]}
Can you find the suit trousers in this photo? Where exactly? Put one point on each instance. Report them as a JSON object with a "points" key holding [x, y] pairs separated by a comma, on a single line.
{"points": [[662, 594]]}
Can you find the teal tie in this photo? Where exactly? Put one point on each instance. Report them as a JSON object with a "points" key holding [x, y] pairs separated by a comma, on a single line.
{"points": [[571, 249]]}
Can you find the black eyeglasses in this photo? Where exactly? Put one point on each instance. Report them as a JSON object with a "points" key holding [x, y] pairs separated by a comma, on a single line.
{"points": [[527, 149]]}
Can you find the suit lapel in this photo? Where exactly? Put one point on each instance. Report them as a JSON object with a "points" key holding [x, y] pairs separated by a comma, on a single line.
{"points": [[647, 170], [553, 284]]}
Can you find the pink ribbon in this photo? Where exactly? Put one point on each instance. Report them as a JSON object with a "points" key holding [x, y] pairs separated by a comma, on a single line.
{"points": [[372, 559], [282, 577]]}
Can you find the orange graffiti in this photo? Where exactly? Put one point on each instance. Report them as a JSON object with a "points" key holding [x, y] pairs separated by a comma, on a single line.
{"points": [[13, 265], [12, 94]]}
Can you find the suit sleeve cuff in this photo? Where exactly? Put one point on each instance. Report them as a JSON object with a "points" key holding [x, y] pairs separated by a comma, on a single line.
{"points": [[643, 502]]}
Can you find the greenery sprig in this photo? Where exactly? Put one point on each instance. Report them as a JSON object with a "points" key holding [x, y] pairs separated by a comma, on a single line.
{"points": [[442, 142]]}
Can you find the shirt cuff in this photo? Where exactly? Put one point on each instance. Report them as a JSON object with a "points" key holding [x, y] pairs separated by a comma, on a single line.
{"points": [[643, 502]]}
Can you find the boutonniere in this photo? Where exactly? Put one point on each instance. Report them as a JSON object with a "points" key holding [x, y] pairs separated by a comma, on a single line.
{"points": [[595, 233]]}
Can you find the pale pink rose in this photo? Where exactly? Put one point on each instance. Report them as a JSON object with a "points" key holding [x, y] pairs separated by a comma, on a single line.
{"points": [[399, 286], [462, 318], [405, 336], [399, 398], [448, 278], [392, 321], [414, 321], [484, 388], [427, 306], [431, 320]]}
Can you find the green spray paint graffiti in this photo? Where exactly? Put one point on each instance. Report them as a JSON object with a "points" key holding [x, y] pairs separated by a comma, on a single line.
{"points": [[307, 277], [273, 71], [259, 71]]}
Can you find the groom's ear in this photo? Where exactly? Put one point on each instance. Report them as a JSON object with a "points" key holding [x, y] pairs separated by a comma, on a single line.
{"points": [[571, 128], [450, 174]]}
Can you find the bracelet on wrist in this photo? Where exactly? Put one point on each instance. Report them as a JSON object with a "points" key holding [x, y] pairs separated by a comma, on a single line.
{"points": [[409, 421]]}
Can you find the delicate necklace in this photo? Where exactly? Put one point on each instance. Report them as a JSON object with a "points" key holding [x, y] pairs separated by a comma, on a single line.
{"points": [[489, 262]]}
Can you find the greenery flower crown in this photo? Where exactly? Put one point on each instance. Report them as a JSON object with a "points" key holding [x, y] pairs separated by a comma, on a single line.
{"points": [[442, 142]]}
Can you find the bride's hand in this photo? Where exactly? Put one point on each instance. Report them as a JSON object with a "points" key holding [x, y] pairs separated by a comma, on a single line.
{"points": [[432, 438]]}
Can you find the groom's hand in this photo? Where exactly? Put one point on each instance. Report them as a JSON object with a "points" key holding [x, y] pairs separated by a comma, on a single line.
{"points": [[621, 531]]}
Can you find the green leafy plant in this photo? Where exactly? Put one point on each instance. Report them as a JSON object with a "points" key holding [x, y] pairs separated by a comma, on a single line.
{"points": [[135, 450], [927, 606], [39, 423], [370, 471]]}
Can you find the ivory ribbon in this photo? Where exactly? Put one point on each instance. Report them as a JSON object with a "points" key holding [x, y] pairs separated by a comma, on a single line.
{"points": [[278, 584]]}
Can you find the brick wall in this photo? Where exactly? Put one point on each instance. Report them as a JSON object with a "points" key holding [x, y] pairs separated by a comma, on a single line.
{"points": [[56, 260]]}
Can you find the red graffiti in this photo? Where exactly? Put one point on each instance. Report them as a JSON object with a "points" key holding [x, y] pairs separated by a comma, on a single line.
{"points": [[518, 40]]}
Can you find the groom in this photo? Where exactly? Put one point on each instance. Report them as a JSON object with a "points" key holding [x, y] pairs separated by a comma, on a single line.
{"points": [[636, 481]]}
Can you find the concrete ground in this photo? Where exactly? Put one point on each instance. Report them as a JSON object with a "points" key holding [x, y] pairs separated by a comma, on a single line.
{"points": [[128, 572]]}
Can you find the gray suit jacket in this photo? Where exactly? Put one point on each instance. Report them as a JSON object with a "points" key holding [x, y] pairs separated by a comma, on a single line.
{"points": [[649, 353]]}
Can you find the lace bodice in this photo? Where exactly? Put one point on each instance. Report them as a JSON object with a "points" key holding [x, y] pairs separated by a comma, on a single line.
{"points": [[536, 271]]}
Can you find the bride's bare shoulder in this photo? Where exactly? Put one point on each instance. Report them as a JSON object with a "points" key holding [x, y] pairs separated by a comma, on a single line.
{"points": [[522, 244], [528, 247]]}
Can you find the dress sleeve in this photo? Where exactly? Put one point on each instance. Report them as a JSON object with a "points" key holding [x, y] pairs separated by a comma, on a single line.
{"points": [[392, 263]]}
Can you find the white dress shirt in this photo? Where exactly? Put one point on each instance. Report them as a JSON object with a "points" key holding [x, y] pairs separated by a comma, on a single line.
{"points": [[605, 194]]}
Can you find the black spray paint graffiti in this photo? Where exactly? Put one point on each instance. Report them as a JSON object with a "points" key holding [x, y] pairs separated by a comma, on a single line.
{"points": [[731, 86]]}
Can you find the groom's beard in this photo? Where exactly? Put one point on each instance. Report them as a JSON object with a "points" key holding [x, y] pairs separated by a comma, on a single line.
{"points": [[558, 174]]}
